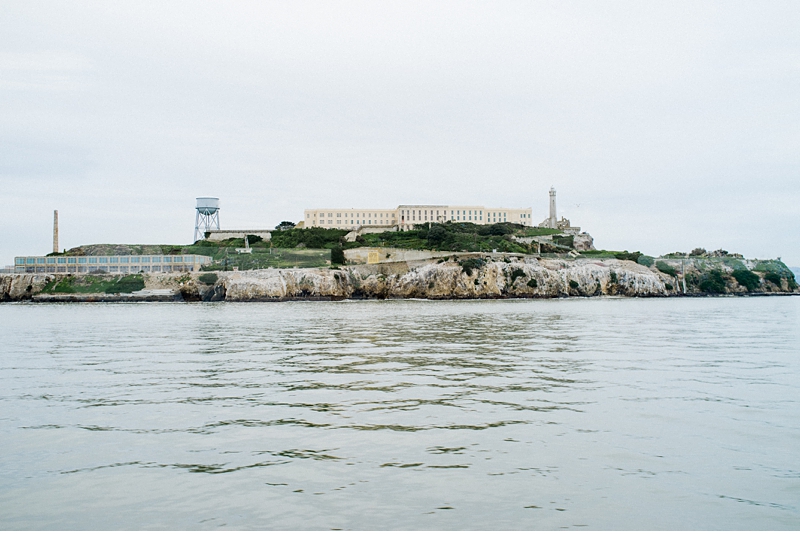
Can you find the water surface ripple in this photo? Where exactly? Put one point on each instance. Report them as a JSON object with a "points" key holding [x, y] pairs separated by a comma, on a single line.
{"points": [[582, 414]]}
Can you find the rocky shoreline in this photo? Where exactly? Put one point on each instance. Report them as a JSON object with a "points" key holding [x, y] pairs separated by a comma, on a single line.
{"points": [[479, 278]]}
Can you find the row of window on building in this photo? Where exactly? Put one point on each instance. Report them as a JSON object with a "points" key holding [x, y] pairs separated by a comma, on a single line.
{"points": [[48, 260], [374, 215], [356, 219], [109, 264], [407, 216], [459, 215]]}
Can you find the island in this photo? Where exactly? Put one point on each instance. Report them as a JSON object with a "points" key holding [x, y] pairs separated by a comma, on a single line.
{"points": [[435, 260]]}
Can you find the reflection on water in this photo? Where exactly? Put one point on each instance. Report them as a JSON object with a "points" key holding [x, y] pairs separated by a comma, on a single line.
{"points": [[611, 413]]}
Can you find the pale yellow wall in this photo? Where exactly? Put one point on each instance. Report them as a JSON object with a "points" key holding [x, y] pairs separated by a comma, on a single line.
{"points": [[349, 218], [411, 215], [406, 216]]}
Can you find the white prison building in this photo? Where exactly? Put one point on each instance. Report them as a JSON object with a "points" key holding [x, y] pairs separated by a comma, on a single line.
{"points": [[406, 216]]}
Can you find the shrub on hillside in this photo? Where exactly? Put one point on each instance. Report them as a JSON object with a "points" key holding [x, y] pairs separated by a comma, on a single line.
{"points": [[337, 256], [208, 278], [773, 277], [630, 256], [127, 284], [310, 237], [468, 265], [666, 268], [747, 278], [712, 282], [436, 235]]}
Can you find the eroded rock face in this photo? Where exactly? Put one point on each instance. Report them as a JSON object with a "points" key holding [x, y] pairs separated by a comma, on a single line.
{"points": [[282, 284], [21, 286], [541, 278], [583, 242]]}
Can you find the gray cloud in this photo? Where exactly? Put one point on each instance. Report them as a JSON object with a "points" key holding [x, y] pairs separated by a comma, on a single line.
{"points": [[663, 126]]}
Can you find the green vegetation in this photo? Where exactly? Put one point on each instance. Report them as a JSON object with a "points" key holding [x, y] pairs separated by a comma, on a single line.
{"points": [[617, 254], [666, 268], [316, 247], [712, 282], [533, 283], [775, 266], [337, 256], [59, 286], [208, 278], [630, 256], [308, 238], [747, 278], [668, 286], [95, 284], [733, 263], [773, 277], [516, 273], [468, 265], [647, 261], [613, 277], [127, 284], [462, 236], [226, 259], [564, 240], [775, 270], [573, 284], [536, 232]]}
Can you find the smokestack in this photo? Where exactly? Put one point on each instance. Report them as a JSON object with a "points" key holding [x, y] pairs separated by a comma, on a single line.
{"points": [[55, 230], [553, 218]]}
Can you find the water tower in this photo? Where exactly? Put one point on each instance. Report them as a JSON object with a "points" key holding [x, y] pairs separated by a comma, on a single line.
{"points": [[207, 217]]}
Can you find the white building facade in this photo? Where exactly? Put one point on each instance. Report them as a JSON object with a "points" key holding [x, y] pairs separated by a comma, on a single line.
{"points": [[405, 216], [110, 264]]}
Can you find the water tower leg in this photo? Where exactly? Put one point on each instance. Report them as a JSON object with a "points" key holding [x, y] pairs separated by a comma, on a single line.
{"points": [[197, 227]]}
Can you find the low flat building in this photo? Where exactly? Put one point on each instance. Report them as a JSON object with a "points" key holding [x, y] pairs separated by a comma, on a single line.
{"points": [[168, 263], [221, 235], [405, 216]]}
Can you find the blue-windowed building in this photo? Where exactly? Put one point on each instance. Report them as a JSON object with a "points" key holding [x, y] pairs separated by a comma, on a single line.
{"points": [[170, 263]]}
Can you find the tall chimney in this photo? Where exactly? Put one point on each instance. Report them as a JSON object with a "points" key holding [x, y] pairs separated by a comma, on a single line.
{"points": [[553, 219], [55, 230]]}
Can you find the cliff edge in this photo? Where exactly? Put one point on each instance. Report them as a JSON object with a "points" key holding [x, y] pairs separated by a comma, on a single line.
{"points": [[471, 278]]}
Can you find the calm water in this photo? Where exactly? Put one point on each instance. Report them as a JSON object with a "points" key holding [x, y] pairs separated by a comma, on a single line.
{"points": [[598, 414]]}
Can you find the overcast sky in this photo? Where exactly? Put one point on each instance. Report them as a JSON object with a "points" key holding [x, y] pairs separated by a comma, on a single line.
{"points": [[663, 126]]}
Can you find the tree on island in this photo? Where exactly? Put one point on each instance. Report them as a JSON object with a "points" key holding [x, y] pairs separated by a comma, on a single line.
{"points": [[285, 225]]}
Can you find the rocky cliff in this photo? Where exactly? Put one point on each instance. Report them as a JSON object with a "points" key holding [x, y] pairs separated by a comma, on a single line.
{"points": [[450, 280], [523, 277]]}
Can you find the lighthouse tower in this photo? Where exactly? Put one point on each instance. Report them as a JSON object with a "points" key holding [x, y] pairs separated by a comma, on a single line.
{"points": [[553, 222]]}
